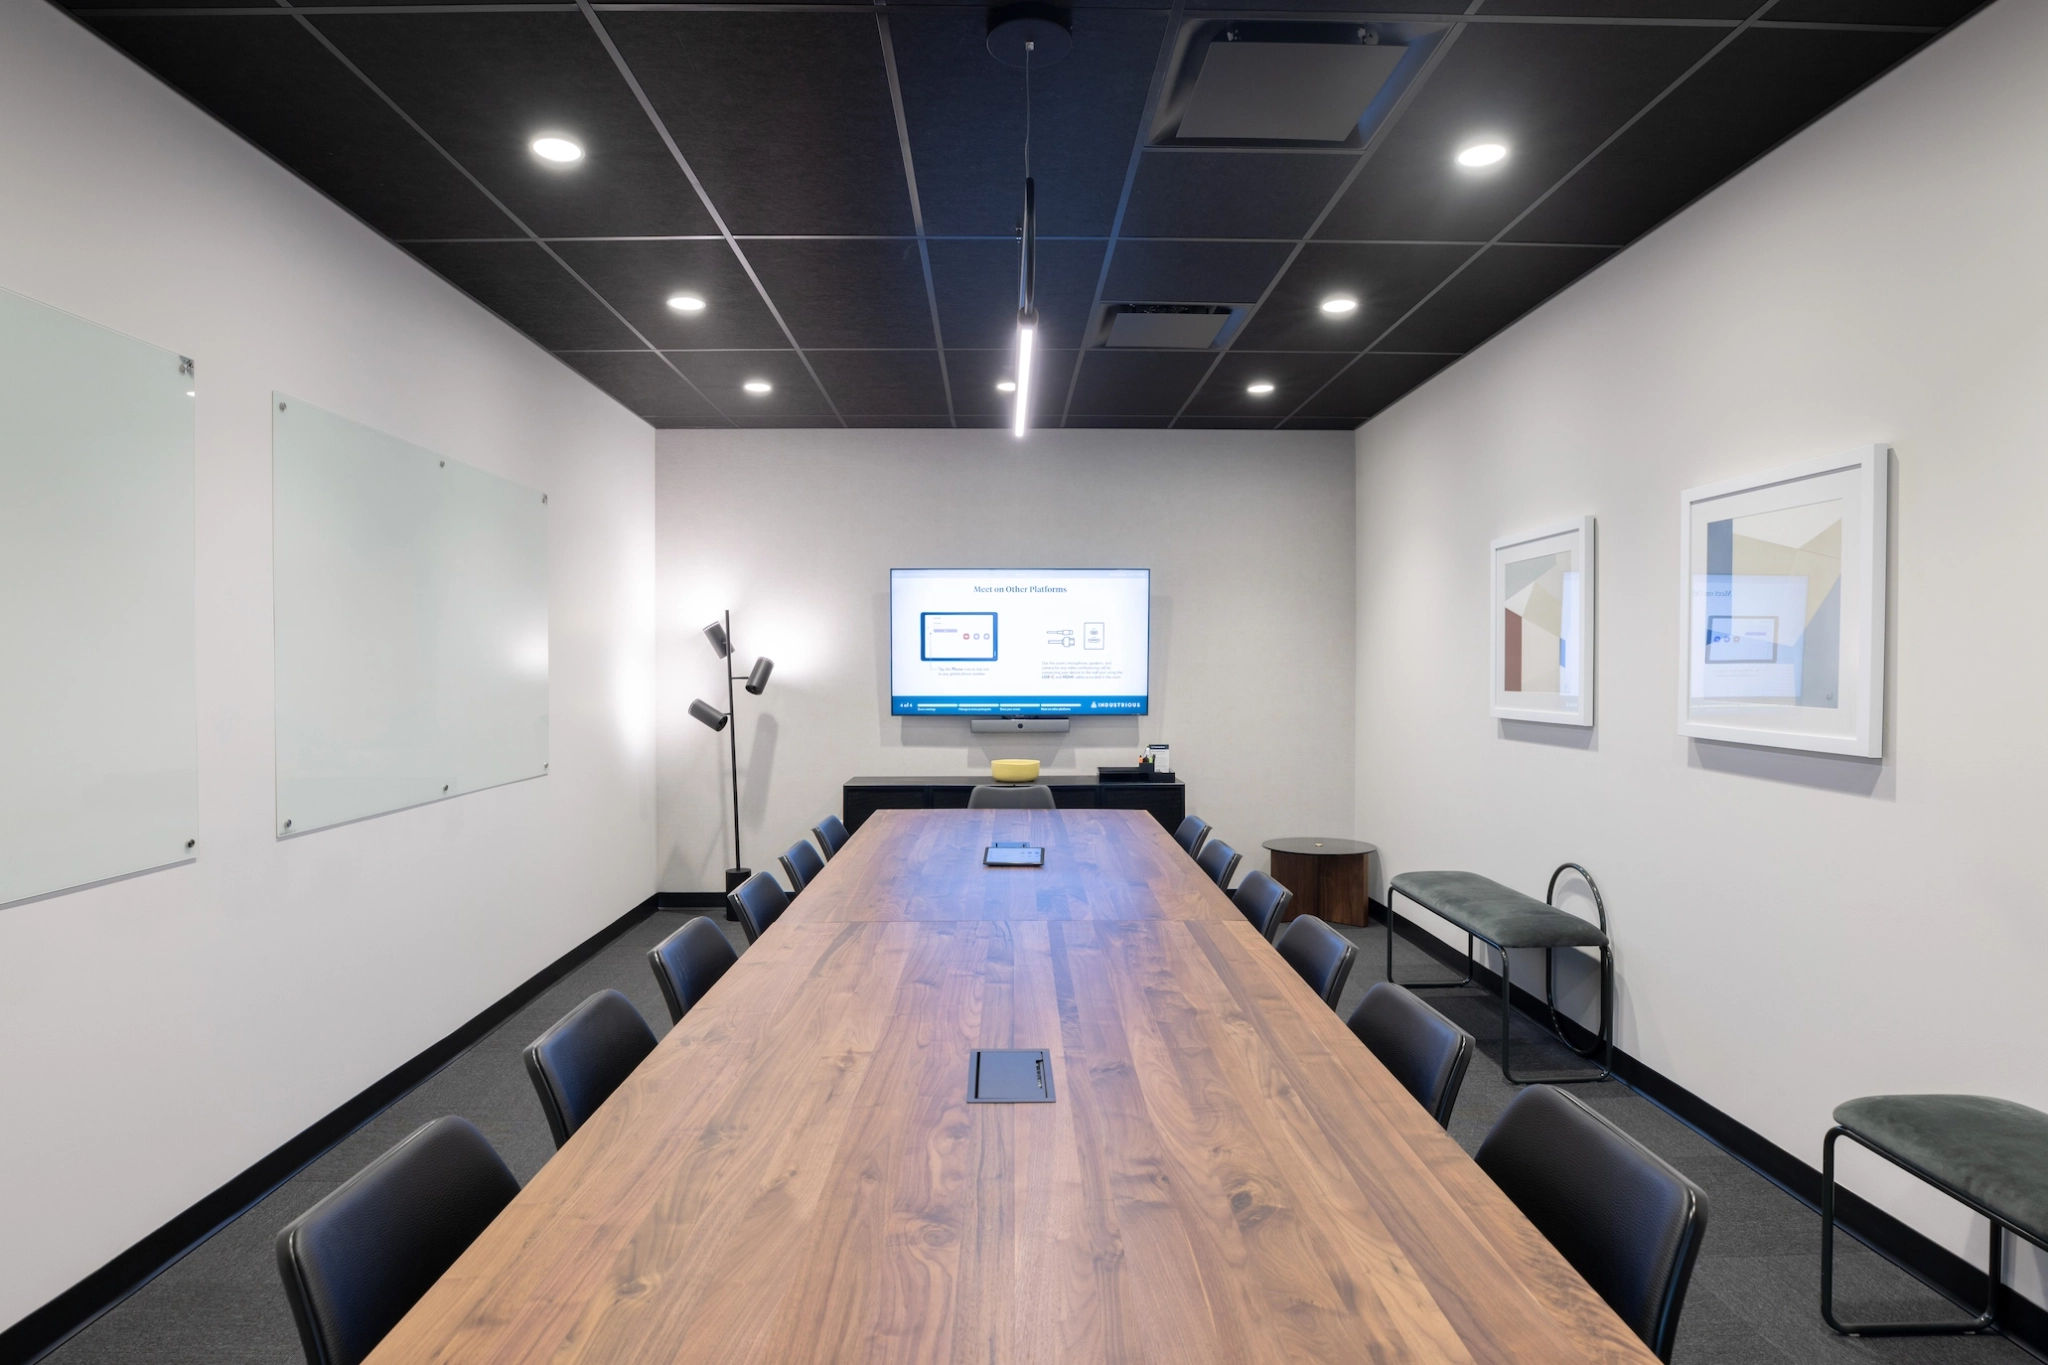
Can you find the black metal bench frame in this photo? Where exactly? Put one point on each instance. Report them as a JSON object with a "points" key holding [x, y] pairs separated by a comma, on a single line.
{"points": [[1983, 1324], [1604, 1044]]}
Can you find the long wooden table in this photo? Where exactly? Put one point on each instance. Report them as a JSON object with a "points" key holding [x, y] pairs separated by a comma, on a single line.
{"points": [[1226, 1175]]}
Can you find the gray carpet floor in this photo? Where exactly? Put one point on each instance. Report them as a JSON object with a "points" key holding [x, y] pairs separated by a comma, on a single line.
{"points": [[1753, 1298]]}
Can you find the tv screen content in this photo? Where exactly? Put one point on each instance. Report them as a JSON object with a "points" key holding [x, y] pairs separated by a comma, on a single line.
{"points": [[1020, 642]]}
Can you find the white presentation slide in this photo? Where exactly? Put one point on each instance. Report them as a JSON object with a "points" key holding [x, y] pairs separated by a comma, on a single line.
{"points": [[1019, 642]]}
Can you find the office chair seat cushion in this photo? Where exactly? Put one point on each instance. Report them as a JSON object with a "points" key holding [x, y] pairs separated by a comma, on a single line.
{"points": [[1498, 914], [357, 1261], [1627, 1221], [1989, 1150]]}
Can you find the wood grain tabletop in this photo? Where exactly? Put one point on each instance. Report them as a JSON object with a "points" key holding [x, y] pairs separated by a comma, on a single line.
{"points": [[795, 1176]]}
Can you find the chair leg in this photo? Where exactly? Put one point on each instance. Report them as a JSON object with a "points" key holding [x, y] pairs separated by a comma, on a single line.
{"points": [[1983, 1323]]}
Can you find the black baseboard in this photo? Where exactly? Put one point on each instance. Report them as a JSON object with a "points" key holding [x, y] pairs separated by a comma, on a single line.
{"points": [[689, 900], [1934, 1265], [56, 1321]]}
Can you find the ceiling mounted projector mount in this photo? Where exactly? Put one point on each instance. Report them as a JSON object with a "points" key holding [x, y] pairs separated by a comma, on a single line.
{"points": [[1047, 29]]}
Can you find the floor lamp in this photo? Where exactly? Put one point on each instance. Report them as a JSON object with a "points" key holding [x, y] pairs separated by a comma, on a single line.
{"points": [[719, 633]]}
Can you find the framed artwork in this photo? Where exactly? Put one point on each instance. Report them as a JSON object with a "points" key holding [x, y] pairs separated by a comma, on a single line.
{"points": [[1782, 598], [1543, 625]]}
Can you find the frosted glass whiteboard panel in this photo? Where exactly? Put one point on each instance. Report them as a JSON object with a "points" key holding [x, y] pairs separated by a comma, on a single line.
{"points": [[99, 766], [412, 622]]}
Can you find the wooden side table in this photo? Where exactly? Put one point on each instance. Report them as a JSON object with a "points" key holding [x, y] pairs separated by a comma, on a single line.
{"points": [[1327, 876]]}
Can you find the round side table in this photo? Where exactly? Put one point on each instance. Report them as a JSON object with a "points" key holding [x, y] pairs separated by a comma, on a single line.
{"points": [[1327, 876]]}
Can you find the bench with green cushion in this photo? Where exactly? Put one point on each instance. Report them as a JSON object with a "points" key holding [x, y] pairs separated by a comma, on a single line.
{"points": [[1987, 1154], [1503, 918]]}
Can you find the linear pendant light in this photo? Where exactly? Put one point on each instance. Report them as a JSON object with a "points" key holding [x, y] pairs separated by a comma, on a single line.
{"points": [[1027, 312], [1018, 35]]}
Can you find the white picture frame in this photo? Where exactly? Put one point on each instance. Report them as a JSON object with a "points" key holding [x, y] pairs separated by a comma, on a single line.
{"points": [[1542, 606], [1800, 639]]}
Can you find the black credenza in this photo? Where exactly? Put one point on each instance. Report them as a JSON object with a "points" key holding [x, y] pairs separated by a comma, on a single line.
{"points": [[865, 795]]}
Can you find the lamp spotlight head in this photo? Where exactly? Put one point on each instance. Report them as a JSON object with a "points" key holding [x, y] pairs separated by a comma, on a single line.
{"points": [[709, 714], [715, 633], [757, 679]]}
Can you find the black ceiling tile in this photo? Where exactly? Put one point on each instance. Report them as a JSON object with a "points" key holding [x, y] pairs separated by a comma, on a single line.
{"points": [[644, 382], [720, 375], [882, 381], [786, 118], [1387, 280], [977, 288], [1193, 272], [1932, 12], [976, 373], [484, 85], [679, 422], [1503, 284], [904, 420], [1551, 92], [1141, 383], [638, 278], [1765, 86], [525, 286], [847, 293], [273, 82], [1627, 9], [1371, 383], [965, 112], [1294, 376], [1231, 194], [1204, 422]]}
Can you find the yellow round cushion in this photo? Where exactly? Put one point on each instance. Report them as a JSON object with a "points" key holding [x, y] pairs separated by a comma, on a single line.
{"points": [[1014, 770]]}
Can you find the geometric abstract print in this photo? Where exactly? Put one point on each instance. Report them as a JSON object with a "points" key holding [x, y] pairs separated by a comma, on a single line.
{"points": [[1774, 606], [1533, 657]]}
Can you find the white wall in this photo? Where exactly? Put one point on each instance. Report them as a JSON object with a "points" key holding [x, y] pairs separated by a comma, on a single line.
{"points": [[1248, 536], [1793, 930], [166, 1031]]}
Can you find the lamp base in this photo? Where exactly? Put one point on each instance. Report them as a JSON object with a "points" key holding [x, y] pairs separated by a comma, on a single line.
{"points": [[733, 877]]}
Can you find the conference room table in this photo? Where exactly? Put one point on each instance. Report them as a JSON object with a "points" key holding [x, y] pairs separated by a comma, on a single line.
{"points": [[1225, 1173]]}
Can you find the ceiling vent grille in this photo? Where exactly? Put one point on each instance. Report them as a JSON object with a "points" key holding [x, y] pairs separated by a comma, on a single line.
{"points": [[1166, 326], [1287, 83]]}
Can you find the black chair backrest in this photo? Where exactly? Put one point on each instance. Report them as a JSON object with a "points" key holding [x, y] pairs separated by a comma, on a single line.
{"points": [[1617, 1211], [758, 903], [1263, 901], [1191, 833], [1320, 954], [800, 864], [832, 835], [1220, 861], [990, 796], [1426, 1052], [358, 1260], [577, 1064], [688, 963]]}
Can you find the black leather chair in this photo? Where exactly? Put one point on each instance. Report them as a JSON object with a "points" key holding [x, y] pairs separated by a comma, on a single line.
{"points": [[1320, 954], [832, 835], [1220, 861], [993, 796], [577, 1064], [758, 903], [355, 1262], [688, 963], [1263, 901], [1617, 1211], [1426, 1052], [1191, 833], [801, 863]]}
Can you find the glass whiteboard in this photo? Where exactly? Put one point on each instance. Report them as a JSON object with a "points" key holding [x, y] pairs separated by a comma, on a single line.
{"points": [[99, 766], [412, 622]]}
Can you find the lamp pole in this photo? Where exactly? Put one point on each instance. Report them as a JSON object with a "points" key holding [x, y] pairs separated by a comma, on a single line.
{"points": [[738, 872]]}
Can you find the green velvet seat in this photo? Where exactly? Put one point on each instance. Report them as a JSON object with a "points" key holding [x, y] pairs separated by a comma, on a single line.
{"points": [[1989, 1154], [1503, 918]]}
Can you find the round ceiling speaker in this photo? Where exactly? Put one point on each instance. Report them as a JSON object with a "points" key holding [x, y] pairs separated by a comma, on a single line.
{"points": [[1048, 28]]}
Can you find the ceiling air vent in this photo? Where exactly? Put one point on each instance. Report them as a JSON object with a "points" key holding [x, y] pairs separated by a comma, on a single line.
{"points": [[1287, 82], [1166, 326]]}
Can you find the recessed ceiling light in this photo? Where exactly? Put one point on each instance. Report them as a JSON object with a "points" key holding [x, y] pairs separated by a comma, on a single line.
{"points": [[559, 150], [1339, 304], [1259, 388], [686, 303], [1006, 386], [1483, 154], [758, 386]]}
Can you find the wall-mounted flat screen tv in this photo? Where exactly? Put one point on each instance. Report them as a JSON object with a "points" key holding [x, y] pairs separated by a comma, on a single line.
{"points": [[1020, 642]]}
